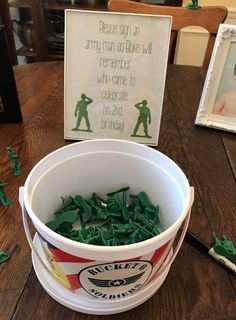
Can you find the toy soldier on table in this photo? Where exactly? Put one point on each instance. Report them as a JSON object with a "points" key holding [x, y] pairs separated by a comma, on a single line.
{"points": [[15, 165], [3, 199]]}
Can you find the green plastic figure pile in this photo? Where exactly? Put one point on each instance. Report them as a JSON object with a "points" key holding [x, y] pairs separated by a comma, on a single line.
{"points": [[107, 222]]}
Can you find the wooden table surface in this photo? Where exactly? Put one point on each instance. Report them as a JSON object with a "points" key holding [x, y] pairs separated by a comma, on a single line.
{"points": [[197, 287]]}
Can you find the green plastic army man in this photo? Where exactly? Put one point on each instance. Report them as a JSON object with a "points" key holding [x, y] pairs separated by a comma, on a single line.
{"points": [[15, 164], [225, 247], [194, 5], [144, 119], [82, 113], [3, 199]]}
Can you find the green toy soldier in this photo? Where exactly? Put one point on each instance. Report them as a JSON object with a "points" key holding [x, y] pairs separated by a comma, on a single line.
{"points": [[4, 256], [194, 5], [5, 201], [144, 118], [15, 165], [82, 112], [225, 247]]}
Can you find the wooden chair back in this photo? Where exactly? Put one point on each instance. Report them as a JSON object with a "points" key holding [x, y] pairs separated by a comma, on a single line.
{"points": [[207, 17]]}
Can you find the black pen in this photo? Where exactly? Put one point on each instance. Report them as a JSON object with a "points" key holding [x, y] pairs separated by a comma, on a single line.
{"points": [[197, 243]]}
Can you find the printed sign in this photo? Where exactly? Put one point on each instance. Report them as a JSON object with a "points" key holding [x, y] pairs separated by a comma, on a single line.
{"points": [[115, 69]]}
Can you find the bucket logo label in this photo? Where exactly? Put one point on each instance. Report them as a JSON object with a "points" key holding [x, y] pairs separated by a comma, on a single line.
{"points": [[115, 280]]}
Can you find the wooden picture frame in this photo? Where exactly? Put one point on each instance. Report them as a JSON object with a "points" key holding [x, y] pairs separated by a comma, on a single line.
{"points": [[217, 108], [9, 102]]}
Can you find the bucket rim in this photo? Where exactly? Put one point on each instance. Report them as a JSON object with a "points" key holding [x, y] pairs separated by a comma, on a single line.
{"points": [[104, 251]]}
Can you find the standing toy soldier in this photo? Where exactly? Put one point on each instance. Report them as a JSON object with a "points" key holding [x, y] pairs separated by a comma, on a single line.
{"points": [[194, 5], [144, 118], [82, 112], [15, 165]]}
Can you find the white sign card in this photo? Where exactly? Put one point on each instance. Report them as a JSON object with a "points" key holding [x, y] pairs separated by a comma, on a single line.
{"points": [[115, 70]]}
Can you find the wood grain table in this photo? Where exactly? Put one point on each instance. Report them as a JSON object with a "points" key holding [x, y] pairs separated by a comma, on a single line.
{"points": [[196, 287]]}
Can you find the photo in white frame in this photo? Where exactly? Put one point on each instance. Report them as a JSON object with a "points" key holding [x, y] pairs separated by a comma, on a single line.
{"points": [[217, 108]]}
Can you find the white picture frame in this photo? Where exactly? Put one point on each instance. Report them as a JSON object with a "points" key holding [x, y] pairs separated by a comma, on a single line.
{"points": [[114, 62], [217, 107]]}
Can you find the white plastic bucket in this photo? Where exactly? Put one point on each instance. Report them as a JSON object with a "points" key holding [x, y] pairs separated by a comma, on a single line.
{"points": [[116, 278]]}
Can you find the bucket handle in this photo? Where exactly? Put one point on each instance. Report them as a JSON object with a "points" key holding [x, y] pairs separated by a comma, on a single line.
{"points": [[167, 264], [51, 272]]}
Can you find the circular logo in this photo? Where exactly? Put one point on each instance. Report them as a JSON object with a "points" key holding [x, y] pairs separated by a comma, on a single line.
{"points": [[115, 280]]}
